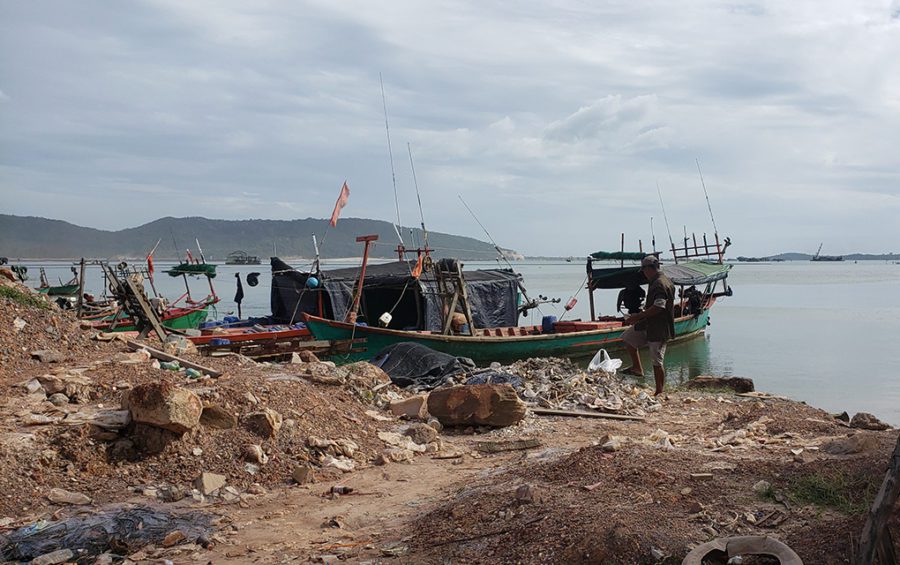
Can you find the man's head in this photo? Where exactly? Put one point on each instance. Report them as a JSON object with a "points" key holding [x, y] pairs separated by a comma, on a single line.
{"points": [[650, 267]]}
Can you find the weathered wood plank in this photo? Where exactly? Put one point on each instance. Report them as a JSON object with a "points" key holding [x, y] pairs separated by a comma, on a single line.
{"points": [[584, 414], [876, 522], [162, 355]]}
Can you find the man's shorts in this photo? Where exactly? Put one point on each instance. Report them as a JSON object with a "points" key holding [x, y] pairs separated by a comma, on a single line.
{"points": [[637, 339]]}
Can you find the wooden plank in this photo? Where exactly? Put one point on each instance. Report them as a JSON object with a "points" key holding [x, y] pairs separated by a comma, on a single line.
{"points": [[584, 414], [162, 355], [507, 445], [876, 523]]}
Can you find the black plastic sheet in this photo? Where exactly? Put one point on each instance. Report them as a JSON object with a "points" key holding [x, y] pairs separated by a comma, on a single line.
{"points": [[122, 530], [414, 365]]}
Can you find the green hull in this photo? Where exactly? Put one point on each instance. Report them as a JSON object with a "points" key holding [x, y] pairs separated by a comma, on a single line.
{"points": [[188, 321], [64, 290], [484, 349]]}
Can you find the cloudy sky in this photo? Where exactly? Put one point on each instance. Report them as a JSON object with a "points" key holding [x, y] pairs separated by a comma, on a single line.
{"points": [[554, 120]]}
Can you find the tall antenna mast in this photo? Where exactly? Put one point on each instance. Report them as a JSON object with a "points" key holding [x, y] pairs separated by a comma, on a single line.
{"points": [[387, 130], [711, 217], [666, 218], [418, 197]]}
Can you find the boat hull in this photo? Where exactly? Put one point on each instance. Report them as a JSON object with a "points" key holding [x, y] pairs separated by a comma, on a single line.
{"points": [[175, 319], [487, 349]]}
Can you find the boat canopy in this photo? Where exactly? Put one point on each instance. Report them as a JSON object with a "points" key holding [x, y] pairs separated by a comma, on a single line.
{"points": [[618, 255], [196, 269], [696, 272], [682, 274], [390, 287]]}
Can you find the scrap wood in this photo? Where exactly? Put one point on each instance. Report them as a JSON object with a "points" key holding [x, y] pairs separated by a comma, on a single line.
{"points": [[448, 456], [163, 356], [585, 414], [507, 445]]}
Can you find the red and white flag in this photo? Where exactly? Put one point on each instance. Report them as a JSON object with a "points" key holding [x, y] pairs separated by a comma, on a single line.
{"points": [[341, 202]]}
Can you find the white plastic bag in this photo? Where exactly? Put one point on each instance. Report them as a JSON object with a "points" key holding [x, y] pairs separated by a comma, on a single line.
{"points": [[603, 362]]}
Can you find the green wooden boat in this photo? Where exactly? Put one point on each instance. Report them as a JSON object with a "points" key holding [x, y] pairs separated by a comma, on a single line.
{"points": [[500, 344], [173, 318], [194, 269], [59, 290]]}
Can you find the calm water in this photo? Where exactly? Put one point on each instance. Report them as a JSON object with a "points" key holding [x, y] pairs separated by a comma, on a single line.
{"points": [[825, 333]]}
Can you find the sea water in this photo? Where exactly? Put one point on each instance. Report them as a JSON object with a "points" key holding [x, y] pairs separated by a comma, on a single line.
{"points": [[824, 333]]}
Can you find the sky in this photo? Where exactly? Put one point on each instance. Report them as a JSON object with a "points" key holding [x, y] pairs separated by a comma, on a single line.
{"points": [[560, 123]]}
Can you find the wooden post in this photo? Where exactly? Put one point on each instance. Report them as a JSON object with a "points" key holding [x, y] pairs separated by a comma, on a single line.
{"points": [[357, 296], [81, 288], [590, 272], [875, 535], [622, 249]]}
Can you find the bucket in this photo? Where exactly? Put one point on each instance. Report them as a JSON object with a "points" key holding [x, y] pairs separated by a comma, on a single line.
{"points": [[547, 324]]}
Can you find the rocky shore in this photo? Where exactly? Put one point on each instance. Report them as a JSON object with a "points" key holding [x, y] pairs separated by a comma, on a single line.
{"points": [[309, 461]]}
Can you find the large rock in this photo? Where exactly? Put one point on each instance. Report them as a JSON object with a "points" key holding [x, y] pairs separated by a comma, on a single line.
{"points": [[61, 496], [264, 424], [208, 483], [412, 407], [486, 405], [48, 356], [366, 372], [737, 384], [866, 421], [856, 443], [164, 405], [178, 345], [214, 416]]}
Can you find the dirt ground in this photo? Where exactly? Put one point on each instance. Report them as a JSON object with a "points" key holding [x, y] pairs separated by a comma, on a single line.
{"points": [[707, 464]]}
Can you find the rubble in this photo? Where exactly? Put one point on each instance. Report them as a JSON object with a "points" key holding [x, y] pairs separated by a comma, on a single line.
{"points": [[560, 384], [214, 416]]}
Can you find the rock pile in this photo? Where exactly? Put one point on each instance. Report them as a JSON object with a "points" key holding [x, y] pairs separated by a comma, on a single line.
{"points": [[560, 384]]}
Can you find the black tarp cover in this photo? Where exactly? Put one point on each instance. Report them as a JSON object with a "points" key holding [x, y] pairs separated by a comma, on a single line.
{"points": [[493, 295]]}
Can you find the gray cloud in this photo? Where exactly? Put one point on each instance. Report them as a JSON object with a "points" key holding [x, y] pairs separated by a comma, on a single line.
{"points": [[554, 121]]}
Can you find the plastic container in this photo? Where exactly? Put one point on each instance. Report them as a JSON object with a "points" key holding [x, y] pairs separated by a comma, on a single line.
{"points": [[219, 341], [547, 324]]}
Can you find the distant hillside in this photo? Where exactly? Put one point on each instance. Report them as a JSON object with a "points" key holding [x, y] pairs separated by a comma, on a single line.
{"points": [[42, 238], [793, 256]]}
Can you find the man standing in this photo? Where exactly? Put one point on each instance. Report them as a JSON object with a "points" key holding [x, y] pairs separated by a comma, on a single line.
{"points": [[655, 325]]}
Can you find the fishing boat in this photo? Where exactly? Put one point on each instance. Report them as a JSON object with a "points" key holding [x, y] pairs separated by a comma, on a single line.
{"points": [[573, 339], [183, 313], [819, 257], [241, 258], [63, 290]]}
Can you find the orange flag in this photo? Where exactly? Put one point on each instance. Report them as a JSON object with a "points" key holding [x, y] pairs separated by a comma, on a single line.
{"points": [[341, 202], [417, 272]]}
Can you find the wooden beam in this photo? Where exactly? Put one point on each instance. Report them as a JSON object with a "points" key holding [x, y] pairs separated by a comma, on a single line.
{"points": [[162, 355], [584, 414], [874, 531]]}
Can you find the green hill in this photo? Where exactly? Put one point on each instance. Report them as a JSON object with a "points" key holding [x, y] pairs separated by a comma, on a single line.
{"points": [[42, 238]]}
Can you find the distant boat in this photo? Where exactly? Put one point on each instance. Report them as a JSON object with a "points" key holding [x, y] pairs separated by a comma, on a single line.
{"points": [[241, 258], [819, 257]]}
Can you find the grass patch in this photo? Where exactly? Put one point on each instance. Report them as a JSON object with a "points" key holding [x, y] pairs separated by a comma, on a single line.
{"points": [[23, 298], [840, 490]]}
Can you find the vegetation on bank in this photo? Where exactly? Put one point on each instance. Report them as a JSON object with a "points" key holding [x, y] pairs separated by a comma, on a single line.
{"points": [[23, 298]]}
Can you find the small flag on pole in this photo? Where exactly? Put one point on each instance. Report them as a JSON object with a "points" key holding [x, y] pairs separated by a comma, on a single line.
{"points": [[341, 202], [417, 272]]}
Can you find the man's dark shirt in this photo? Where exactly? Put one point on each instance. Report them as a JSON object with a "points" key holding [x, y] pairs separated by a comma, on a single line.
{"points": [[660, 327]]}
